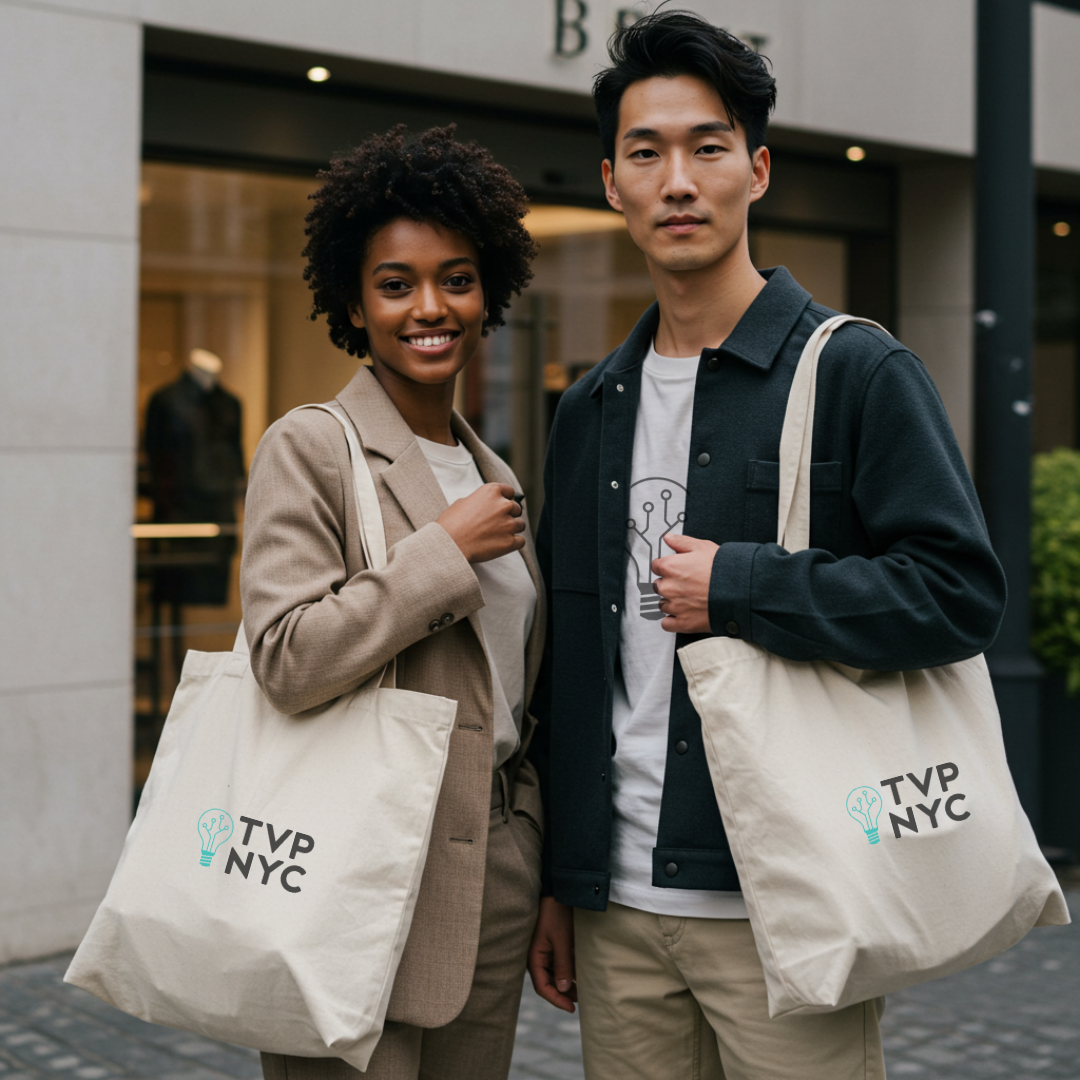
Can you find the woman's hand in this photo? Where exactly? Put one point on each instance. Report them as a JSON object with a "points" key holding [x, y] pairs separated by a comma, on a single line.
{"points": [[486, 524]]}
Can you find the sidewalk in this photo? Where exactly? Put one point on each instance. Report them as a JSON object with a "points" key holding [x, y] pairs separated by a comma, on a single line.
{"points": [[1016, 1017]]}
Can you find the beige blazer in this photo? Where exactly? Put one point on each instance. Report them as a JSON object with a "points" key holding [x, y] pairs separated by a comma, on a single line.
{"points": [[319, 623]]}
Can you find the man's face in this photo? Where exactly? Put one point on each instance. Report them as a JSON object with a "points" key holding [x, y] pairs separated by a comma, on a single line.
{"points": [[681, 174]]}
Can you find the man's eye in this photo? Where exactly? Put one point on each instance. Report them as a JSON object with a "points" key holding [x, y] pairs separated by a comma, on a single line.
{"points": [[644, 153], [712, 149]]}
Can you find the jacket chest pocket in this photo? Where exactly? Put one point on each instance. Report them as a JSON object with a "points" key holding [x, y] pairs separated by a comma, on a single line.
{"points": [[763, 495]]}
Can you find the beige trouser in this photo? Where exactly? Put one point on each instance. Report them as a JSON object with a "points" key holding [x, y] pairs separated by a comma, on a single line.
{"points": [[478, 1044], [666, 998]]}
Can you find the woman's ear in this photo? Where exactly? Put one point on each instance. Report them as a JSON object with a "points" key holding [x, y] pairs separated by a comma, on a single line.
{"points": [[356, 315]]}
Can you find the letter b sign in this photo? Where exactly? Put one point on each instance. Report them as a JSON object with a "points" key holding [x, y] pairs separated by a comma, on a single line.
{"points": [[571, 38]]}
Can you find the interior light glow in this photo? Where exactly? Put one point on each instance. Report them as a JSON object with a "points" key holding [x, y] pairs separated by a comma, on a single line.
{"points": [[318, 74], [1062, 228], [175, 531], [855, 153], [543, 221]]}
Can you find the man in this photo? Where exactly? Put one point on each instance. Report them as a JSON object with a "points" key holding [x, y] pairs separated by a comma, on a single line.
{"points": [[659, 526]]}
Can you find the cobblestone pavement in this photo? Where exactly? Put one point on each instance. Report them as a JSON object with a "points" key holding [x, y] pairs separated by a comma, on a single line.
{"points": [[1017, 1017]]}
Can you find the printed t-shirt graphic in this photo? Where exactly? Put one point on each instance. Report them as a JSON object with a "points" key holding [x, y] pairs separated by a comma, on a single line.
{"points": [[647, 651]]}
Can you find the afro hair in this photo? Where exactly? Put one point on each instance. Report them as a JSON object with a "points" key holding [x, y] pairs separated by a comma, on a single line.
{"points": [[428, 177]]}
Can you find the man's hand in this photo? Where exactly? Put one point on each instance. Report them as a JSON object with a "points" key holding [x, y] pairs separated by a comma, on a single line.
{"points": [[683, 584], [551, 954]]}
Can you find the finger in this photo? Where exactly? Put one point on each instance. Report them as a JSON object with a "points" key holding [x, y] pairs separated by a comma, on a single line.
{"points": [[506, 491], [518, 525], [543, 979], [679, 543], [656, 587], [514, 508], [670, 624]]}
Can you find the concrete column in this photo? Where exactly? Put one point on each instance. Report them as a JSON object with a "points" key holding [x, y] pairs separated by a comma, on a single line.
{"points": [[936, 283], [69, 173]]}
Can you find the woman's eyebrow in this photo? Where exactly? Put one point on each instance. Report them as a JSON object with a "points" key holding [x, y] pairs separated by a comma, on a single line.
{"points": [[406, 268]]}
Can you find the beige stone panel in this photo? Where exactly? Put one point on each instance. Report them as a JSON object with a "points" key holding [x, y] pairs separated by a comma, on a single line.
{"points": [[892, 72], [367, 28], [69, 121], [1056, 86], [817, 262], [937, 208], [65, 800], [67, 339], [67, 554], [943, 341]]}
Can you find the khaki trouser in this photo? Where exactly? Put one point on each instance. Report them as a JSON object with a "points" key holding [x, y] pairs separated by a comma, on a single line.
{"points": [[666, 998], [478, 1044]]}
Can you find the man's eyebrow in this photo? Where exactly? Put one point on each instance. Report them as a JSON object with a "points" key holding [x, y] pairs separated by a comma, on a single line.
{"points": [[405, 268], [697, 129]]}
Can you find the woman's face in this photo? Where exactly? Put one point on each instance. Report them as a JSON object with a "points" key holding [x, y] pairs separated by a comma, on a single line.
{"points": [[421, 302]]}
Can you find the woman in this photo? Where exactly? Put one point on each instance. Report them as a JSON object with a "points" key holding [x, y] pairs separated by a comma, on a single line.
{"points": [[415, 248]]}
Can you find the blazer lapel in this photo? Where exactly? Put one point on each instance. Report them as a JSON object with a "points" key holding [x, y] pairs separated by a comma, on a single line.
{"points": [[406, 474]]}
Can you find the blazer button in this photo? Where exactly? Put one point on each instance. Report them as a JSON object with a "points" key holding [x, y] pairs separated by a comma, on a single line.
{"points": [[703, 460], [713, 363], [671, 869], [434, 625], [732, 629], [681, 746], [447, 619], [596, 889]]}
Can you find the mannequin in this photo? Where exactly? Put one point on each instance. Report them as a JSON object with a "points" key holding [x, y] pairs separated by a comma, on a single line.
{"points": [[193, 429]]}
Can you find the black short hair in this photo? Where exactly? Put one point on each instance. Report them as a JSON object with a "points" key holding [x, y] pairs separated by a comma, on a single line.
{"points": [[427, 177], [669, 43]]}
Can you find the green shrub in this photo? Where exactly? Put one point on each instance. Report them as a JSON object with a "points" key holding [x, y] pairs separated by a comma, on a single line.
{"points": [[1055, 563]]}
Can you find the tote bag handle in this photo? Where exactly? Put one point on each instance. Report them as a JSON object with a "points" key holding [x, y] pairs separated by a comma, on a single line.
{"points": [[797, 437], [372, 535]]}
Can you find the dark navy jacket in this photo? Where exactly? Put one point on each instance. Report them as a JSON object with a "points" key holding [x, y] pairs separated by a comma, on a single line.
{"points": [[899, 574]]}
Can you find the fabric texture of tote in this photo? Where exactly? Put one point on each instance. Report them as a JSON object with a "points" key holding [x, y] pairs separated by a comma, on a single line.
{"points": [[872, 817], [267, 884]]}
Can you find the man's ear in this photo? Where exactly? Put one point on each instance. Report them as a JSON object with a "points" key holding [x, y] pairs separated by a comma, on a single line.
{"points": [[759, 182], [610, 190], [356, 315]]}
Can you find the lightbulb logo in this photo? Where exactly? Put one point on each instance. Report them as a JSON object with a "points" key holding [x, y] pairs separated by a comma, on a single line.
{"points": [[215, 827], [658, 506], [864, 805]]}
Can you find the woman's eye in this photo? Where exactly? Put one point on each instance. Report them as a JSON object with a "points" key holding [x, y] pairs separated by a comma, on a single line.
{"points": [[459, 281], [394, 285]]}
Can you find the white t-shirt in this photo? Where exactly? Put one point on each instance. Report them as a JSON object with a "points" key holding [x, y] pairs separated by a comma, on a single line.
{"points": [[509, 602], [647, 652]]}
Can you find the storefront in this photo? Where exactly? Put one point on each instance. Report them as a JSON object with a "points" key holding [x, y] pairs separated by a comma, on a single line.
{"points": [[158, 158]]}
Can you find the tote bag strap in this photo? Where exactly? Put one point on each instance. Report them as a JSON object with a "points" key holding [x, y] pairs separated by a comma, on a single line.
{"points": [[797, 437], [372, 534]]}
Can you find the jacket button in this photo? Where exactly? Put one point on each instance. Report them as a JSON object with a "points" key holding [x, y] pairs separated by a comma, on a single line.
{"points": [[703, 460], [596, 889], [732, 629], [434, 625], [614, 483], [447, 619], [713, 363], [619, 387], [681, 746], [671, 869], [615, 607]]}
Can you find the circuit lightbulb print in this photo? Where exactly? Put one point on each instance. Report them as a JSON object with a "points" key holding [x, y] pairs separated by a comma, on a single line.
{"points": [[657, 507]]}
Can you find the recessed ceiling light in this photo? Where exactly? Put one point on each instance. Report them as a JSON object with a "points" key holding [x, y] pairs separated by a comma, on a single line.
{"points": [[855, 153], [1062, 228], [318, 74]]}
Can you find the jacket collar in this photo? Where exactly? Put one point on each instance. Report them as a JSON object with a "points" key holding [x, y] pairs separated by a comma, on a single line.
{"points": [[757, 338]]}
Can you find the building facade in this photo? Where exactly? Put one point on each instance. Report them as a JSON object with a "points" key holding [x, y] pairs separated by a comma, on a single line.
{"points": [[157, 157]]}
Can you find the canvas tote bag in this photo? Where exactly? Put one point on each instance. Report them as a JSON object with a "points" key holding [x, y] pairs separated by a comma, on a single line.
{"points": [[267, 884], [872, 817]]}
